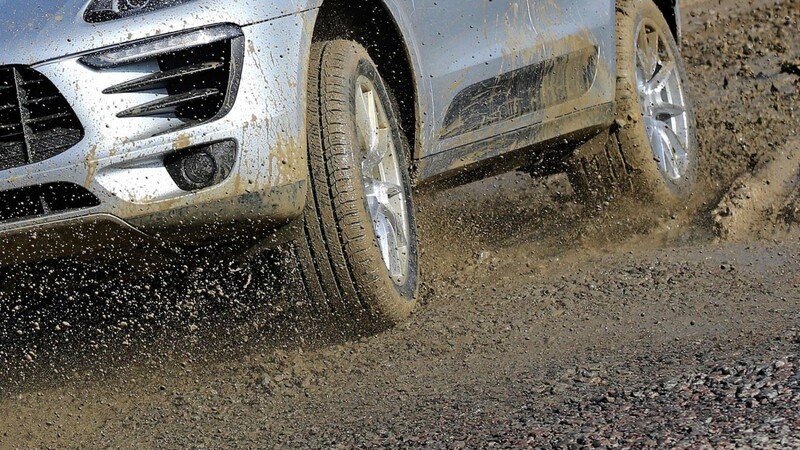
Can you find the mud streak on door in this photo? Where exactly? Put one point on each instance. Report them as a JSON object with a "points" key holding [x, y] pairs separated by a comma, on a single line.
{"points": [[522, 91]]}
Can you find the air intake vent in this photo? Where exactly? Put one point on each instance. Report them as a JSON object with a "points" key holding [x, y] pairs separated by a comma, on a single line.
{"points": [[36, 122], [44, 199], [198, 73]]}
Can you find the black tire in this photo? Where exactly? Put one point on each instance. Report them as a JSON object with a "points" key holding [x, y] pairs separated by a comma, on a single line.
{"points": [[623, 160], [343, 269]]}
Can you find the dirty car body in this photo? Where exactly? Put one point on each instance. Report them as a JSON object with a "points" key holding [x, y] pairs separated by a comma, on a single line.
{"points": [[184, 122]]}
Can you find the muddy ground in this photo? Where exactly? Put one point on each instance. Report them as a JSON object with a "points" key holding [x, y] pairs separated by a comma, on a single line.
{"points": [[543, 323]]}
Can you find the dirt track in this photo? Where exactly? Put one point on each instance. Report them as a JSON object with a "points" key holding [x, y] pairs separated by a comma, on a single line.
{"points": [[550, 325]]}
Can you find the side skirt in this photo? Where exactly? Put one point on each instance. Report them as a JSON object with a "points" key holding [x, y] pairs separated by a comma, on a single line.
{"points": [[539, 144]]}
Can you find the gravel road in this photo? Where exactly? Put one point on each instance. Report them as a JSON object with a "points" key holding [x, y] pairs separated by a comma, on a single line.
{"points": [[554, 325]]}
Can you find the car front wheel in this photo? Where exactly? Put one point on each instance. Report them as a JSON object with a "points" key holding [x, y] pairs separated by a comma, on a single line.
{"points": [[359, 255]]}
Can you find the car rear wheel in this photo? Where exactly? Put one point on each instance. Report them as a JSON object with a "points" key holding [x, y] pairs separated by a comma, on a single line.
{"points": [[359, 255], [653, 151]]}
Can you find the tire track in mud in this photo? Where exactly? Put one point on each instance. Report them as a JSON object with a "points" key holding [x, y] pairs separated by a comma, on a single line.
{"points": [[763, 203]]}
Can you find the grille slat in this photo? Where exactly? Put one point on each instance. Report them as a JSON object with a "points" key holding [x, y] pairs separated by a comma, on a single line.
{"points": [[9, 127], [160, 80], [31, 82], [46, 118], [36, 122], [39, 100], [53, 133], [169, 104]]}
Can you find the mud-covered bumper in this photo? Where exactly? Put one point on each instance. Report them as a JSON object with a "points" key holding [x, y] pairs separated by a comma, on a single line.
{"points": [[121, 160]]}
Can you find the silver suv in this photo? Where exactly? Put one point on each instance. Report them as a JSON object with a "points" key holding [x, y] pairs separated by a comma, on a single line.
{"points": [[185, 123]]}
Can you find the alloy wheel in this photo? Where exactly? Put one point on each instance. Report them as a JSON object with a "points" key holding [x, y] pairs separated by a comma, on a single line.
{"points": [[663, 101], [383, 180]]}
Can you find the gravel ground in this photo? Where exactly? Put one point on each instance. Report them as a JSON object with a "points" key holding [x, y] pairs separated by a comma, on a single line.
{"points": [[745, 404], [553, 327]]}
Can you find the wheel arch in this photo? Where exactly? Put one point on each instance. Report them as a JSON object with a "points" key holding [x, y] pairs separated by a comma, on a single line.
{"points": [[375, 25]]}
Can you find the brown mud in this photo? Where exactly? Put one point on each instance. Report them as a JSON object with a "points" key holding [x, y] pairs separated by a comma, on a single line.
{"points": [[544, 322], [763, 203]]}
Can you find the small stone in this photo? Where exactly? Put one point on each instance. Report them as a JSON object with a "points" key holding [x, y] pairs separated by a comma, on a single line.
{"points": [[768, 394], [264, 381]]}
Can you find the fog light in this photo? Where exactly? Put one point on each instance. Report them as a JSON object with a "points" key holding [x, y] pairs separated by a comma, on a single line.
{"points": [[202, 166]]}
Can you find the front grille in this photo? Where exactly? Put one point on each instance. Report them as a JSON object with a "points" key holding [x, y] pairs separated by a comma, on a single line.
{"points": [[36, 122], [44, 199]]}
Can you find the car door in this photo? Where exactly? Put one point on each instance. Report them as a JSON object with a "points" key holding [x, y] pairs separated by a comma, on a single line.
{"points": [[490, 68]]}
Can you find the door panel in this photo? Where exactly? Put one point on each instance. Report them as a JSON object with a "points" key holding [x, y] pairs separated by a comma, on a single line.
{"points": [[490, 67]]}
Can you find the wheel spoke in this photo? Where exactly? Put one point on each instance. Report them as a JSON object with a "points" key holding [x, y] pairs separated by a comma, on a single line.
{"points": [[662, 110], [366, 120], [642, 64], [647, 52], [394, 242], [384, 233], [652, 51], [377, 153], [643, 60], [659, 145], [661, 78], [391, 216], [383, 190], [670, 165], [641, 45], [392, 238], [677, 157], [678, 147]]}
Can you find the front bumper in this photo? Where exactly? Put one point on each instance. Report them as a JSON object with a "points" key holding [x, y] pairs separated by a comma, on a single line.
{"points": [[121, 160]]}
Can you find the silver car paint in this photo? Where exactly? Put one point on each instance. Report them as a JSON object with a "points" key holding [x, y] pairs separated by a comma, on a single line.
{"points": [[32, 31], [454, 47], [451, 46], [121, 163]]}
